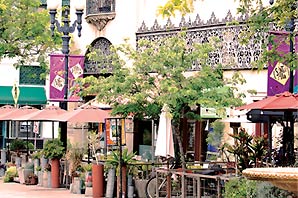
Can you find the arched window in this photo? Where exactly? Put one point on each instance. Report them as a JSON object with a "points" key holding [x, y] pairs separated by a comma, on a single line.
{"points": [[95, 67]]}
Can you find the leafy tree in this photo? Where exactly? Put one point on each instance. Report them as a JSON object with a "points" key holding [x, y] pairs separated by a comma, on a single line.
{"points": [[157, 73], [24, 32]]}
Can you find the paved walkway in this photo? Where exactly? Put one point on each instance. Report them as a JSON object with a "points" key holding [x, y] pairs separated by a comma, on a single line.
{"points": [[16, 190]]}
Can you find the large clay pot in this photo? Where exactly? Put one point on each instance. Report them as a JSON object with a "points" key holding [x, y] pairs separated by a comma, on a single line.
{"points": [[97, 180], [124, 184], [55, 164]]}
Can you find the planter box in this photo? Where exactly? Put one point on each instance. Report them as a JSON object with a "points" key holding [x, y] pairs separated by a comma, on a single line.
{"points": [[140, 185]]}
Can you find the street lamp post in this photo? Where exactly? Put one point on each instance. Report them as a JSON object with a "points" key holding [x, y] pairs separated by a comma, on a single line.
{"points": [[290, 27], [66, 29]]}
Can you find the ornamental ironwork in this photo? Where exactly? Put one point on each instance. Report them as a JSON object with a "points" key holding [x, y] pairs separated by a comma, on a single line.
{"points": [[231, 54], [100, 12], [95, 67]]}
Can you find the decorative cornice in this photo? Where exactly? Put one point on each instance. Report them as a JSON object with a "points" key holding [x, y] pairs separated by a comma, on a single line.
{"points": [[196, 23], [100, 20]]}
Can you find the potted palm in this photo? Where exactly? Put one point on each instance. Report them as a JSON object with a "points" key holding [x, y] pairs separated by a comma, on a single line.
{"points": [[97, 167], [114, 161], [54, 150]]}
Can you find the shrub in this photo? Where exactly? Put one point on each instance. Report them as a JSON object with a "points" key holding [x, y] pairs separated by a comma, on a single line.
{"points": [[10, 173], [53, 149], [240, 188]]}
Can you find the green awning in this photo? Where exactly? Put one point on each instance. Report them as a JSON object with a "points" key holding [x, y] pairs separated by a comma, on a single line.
{"points": [[27, 95]]}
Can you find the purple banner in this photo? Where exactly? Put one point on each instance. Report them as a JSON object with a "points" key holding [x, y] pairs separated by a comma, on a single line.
{"points": [[279, 73], [57, 81]]}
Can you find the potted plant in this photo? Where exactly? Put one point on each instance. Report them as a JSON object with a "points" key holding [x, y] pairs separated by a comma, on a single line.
{"points": [[97, 167], [36, 159], [127, 158], [54, 150], [17, 145]]}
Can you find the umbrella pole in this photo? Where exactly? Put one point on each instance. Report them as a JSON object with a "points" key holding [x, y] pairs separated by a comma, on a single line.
{"points": [[53, 129], [27, 157], [168, 179], [34, 141]]}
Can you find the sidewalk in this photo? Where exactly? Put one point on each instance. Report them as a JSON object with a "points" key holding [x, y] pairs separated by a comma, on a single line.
{"points": [[16, 190]]}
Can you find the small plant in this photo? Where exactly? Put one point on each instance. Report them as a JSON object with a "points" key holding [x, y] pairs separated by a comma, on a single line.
{"points": [[87, 167], [75, 155], [38, 168], [248, 149], [36, 155], [94, 145], [10, 173], [127, 158], [17, 145], [240, 187], [53, 149]]}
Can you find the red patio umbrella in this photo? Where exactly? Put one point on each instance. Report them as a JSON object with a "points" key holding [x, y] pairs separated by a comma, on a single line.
{"points": [[84, 114], [282, 101]]}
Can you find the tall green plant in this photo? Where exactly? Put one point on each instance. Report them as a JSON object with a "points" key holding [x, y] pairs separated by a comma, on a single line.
{"points": [[248, 149], [53, 149]]}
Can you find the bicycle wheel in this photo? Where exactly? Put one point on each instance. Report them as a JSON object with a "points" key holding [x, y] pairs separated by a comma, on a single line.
{"points": [[151, 187]]}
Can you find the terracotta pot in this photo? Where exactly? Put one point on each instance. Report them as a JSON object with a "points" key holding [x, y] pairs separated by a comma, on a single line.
{"points": [[124, 184], [55, 163], [97, 180]]}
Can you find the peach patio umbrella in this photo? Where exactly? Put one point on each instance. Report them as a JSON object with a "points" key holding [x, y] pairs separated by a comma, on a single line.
{"points": [[49, 113], [87, 113]]}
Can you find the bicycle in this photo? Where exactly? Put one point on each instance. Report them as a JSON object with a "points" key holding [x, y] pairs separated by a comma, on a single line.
{"points": [[158, 185]]}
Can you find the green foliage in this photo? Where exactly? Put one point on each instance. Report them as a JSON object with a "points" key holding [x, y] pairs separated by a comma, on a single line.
{"points": [[10, 173], [87, 167], [171, 6], [267, 190], [38, 168], [30, 146], [36, 154], [240, 188], [159, 74], [249, 150], [114, 159], [25, 34], [94, 145], [53, 149], [75, 154], [214, 138], [17, 145]]}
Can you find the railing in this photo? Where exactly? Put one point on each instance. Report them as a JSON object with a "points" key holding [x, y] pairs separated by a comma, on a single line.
{"points": [[193, 182], [100, 6]]}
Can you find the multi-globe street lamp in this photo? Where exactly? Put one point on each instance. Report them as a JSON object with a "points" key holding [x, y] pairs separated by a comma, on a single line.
{"points": [[66, 28]]}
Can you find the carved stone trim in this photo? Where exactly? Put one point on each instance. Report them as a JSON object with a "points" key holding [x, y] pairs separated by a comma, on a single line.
{"points": [[100, 20]]}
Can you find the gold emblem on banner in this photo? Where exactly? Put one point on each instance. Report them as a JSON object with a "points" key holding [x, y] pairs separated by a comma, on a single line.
{"points": [[280, 73]]}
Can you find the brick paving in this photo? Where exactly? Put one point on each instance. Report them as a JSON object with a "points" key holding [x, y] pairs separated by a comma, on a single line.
{"points": [[16, 190]]}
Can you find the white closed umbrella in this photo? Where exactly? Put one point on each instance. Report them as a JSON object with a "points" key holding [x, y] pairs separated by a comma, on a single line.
{"points": [[164, 142]]}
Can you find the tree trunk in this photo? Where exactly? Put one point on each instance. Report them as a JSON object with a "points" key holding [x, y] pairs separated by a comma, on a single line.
{"points": [[182, 156]]}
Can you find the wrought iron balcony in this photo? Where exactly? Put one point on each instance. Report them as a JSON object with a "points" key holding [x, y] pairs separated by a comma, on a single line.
{"points": [[100, 12]]}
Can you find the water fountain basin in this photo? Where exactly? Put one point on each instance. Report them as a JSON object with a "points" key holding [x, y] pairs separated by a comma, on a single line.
{"points": [[282, 177]]}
